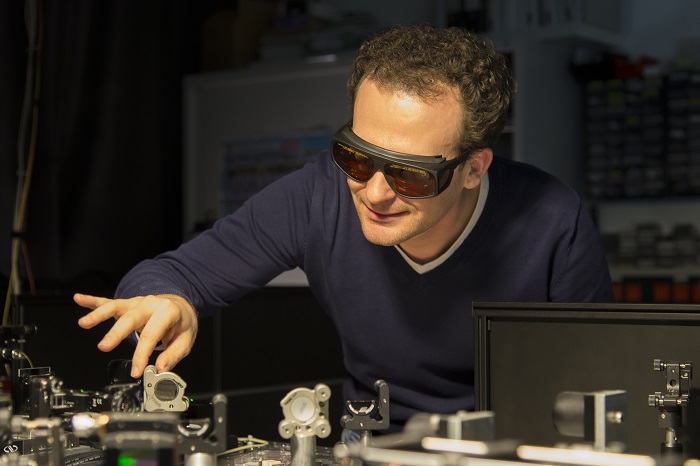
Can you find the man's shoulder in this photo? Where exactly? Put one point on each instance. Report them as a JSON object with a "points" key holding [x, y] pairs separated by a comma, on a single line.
{"points": [[513, 175], [521, 169], [515, 185]]}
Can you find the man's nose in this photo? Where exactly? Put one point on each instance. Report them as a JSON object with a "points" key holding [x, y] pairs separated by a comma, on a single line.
{"points": [[378, 189]]}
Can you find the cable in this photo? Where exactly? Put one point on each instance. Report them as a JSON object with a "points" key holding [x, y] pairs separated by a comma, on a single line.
{"points": [[251, 443], [28, 268], [30, 115], [14, 354], [22, 355]]}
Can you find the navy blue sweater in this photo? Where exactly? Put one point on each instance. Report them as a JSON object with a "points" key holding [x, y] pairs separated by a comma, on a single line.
{"points": [[533, 242]]}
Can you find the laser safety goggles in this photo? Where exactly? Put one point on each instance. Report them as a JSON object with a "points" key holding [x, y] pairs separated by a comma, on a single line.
{"points": [[411, 176]]}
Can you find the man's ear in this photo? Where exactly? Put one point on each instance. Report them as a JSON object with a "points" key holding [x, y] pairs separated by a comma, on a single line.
{"points": [[476, 167]]}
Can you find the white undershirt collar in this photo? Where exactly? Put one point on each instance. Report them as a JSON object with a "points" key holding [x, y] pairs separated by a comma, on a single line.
{"points": [[427, 267]]}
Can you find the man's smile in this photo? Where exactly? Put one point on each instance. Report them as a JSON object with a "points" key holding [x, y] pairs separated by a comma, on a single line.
{"points": [[383, 216]]}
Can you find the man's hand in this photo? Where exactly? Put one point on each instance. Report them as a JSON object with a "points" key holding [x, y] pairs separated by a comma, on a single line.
{"points": [[169, 319]]}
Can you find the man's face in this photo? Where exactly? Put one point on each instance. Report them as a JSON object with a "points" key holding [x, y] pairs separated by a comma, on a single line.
{"points": [[405, 123]]}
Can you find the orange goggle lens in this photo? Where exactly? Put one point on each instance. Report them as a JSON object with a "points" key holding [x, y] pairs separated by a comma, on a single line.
{"points": [[408, 181]]}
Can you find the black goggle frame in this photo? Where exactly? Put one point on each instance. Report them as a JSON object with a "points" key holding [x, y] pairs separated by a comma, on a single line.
{"points": [[436, 166]]}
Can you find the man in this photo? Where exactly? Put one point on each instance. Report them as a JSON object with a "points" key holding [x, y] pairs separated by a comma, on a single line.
{"points": [[420, 221]]}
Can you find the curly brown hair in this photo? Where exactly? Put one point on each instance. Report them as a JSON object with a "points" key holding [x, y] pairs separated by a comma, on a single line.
{"points": [[421, 60]]}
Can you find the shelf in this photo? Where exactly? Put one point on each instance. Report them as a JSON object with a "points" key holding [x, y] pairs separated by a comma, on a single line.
{"points": [[651, 200], [678, 274], [576, 22], [579, 34], [573, 34], [679, 285], [624, 214]]}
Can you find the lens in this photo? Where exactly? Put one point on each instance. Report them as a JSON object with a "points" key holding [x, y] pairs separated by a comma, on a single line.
{"points": [[355, 164], [410, 181], [445, 178], [166, 390]]}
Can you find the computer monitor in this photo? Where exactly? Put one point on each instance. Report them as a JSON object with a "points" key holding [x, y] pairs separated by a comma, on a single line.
{"points": [[529, 353]]}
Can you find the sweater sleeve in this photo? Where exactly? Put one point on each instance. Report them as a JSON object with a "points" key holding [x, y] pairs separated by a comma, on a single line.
{"points": [[243, 251]]}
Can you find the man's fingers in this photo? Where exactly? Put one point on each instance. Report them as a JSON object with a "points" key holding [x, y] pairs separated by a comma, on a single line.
{"points": [[148, 340], [164, 363], [122, 328], [154, 330], [91, 302], [140, 360], [103, 309], [166, 318], [175, 352]]}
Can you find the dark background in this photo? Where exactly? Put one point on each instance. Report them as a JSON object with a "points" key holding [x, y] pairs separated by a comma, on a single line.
{"points": [[106, 187], [106, 192]]}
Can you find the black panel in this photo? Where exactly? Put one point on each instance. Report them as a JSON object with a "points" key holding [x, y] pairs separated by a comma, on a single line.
{"points": [[276, 336], [275, 340], [529, 353]]}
